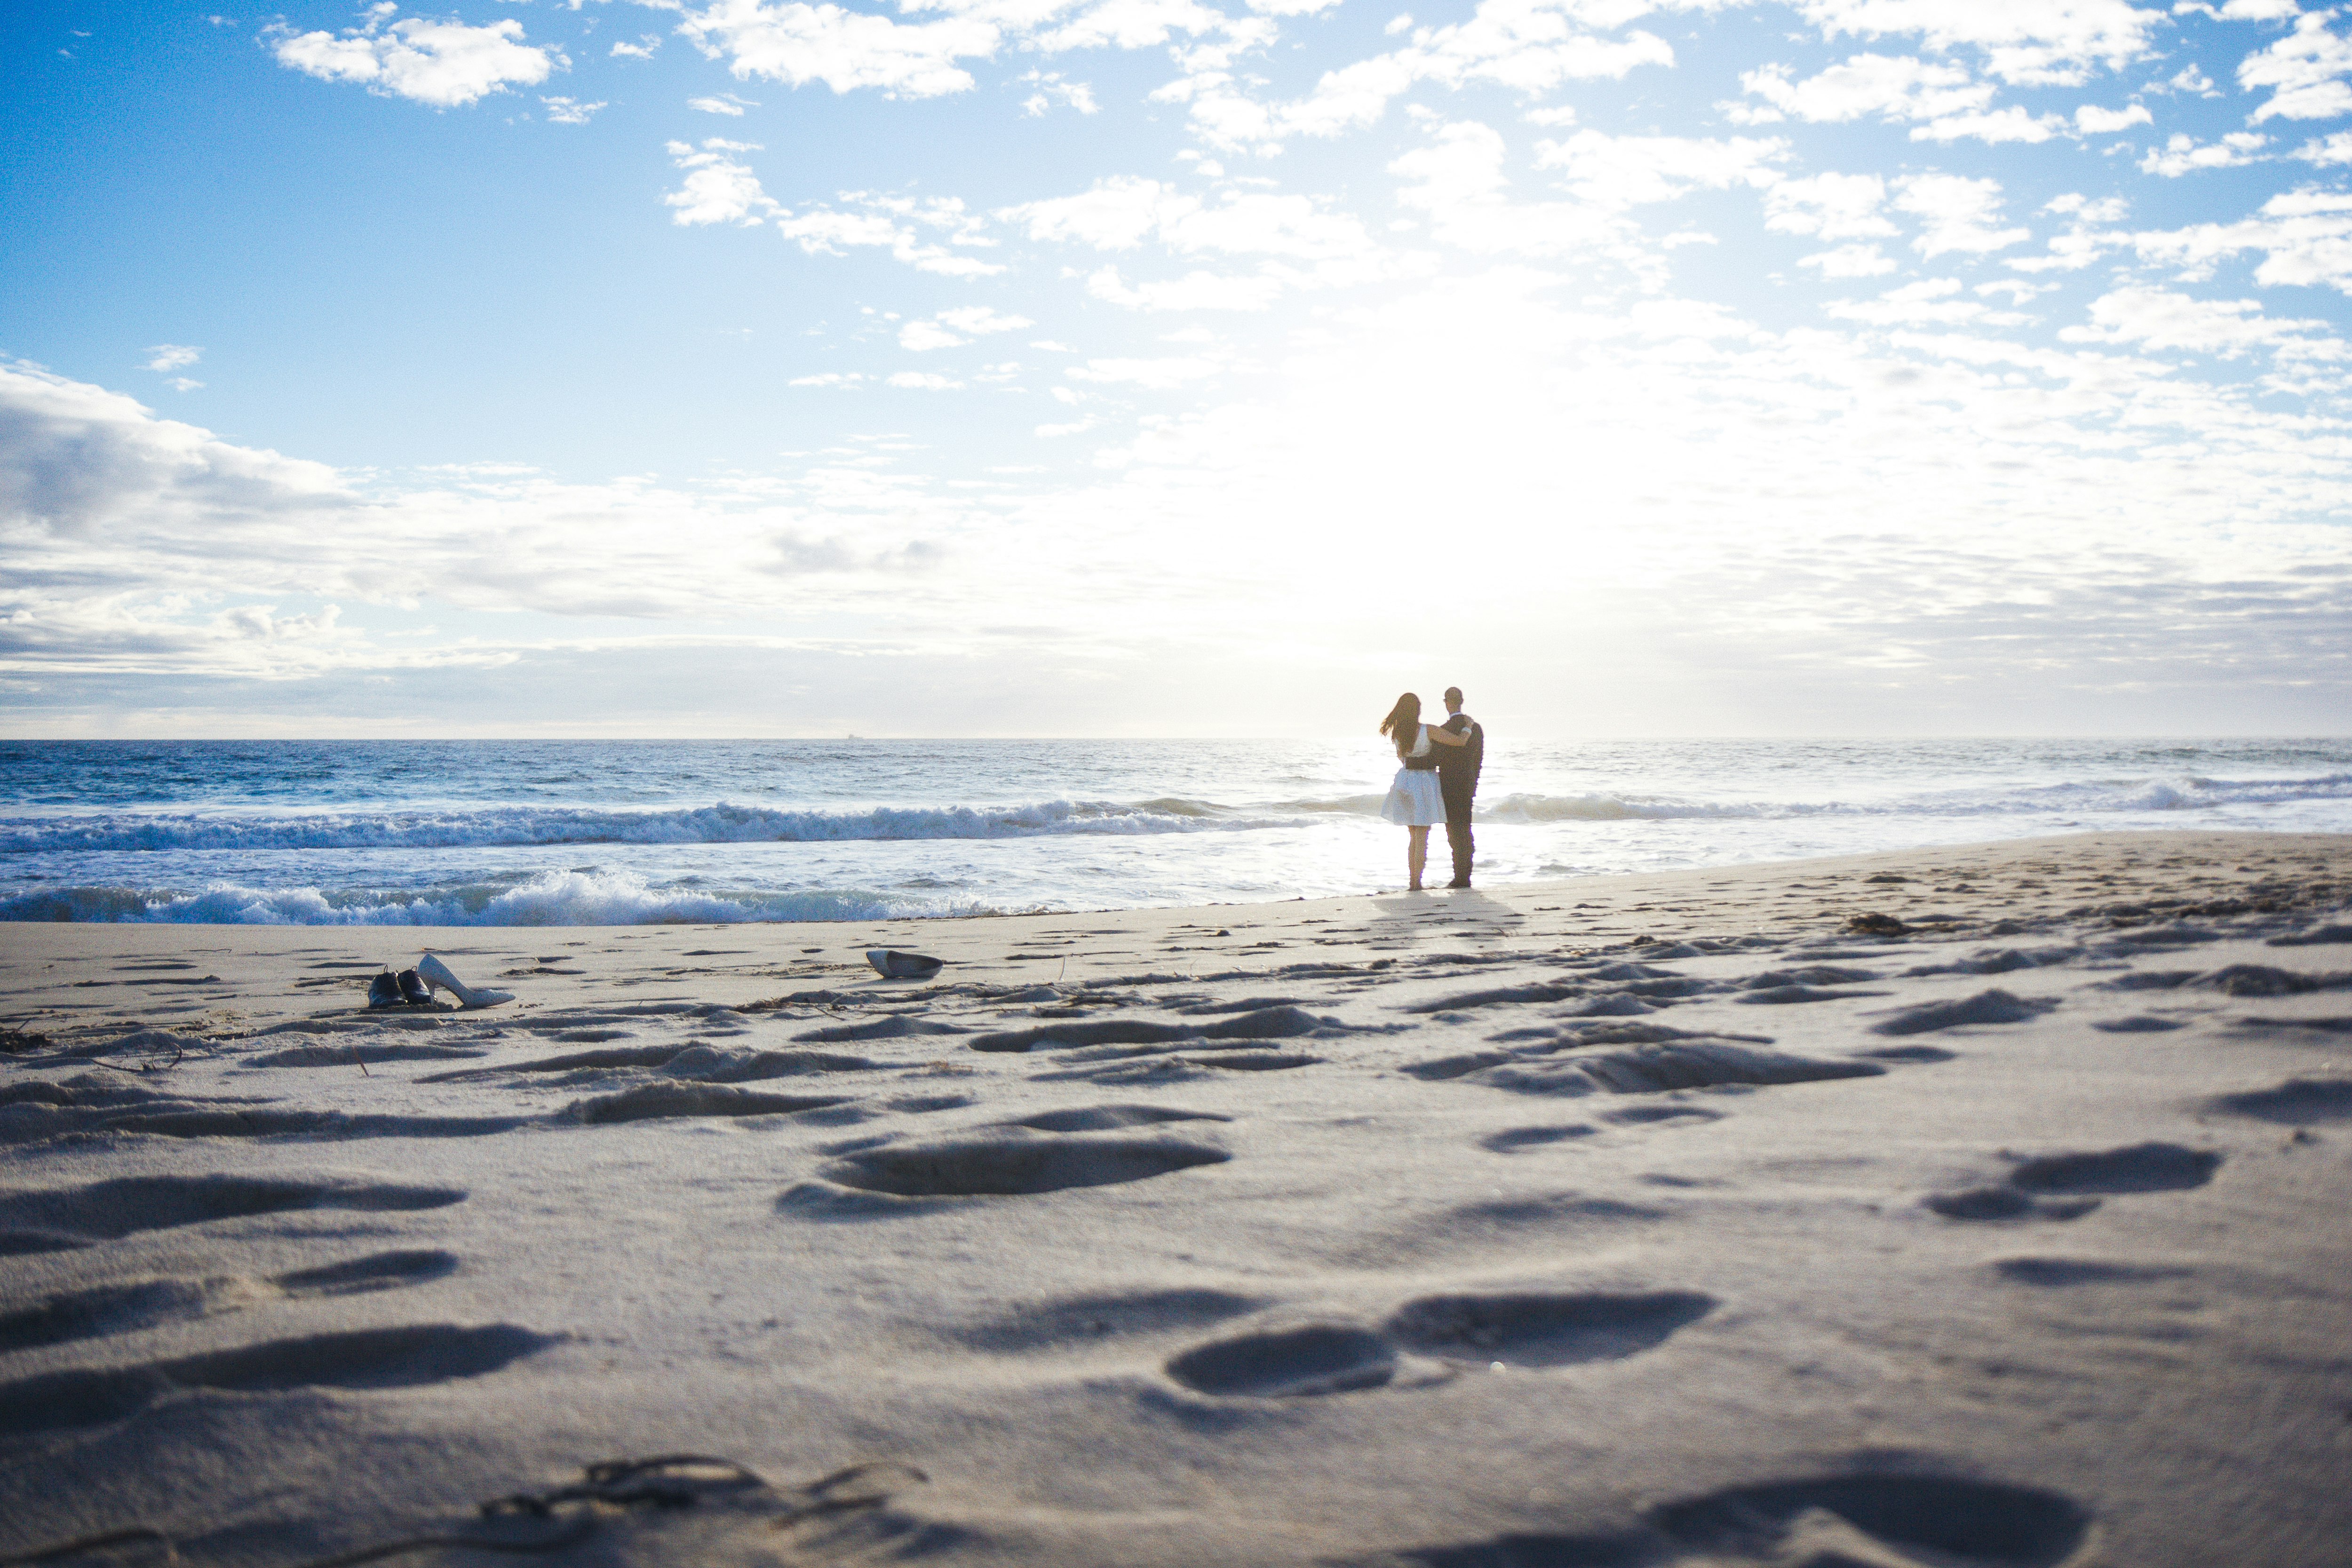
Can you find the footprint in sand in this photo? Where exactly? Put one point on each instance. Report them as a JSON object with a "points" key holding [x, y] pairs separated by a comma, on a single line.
{"points": [[1512, 1140], [1011, 1161], [2069, 1185], [2065, 1273], [50, 1219], [2137, 1168], [404, 1357], [704, 1063], [1286, 1363], [1693, 1062], [653, 1102], [1830, 1521], [1091, 1318], [1110, 1118], [1881, 1519], [126, 1309], [2297, 1102], [1543, 1328], [1651, 1115], [1528, 1329], [1994, 1006], [1282, 1022]]}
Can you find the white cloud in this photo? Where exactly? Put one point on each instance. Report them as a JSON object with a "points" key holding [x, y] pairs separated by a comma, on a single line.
{"points": [[1931, 301], [2305, 237], [798, 44], [2333, 149], [1193, 291], [132, 540], [924, 381], [1850, 261], [1457, 180], [1122, 212], [1052, 88], [1303, 243], [717, 188], [173, 356], [954, 328], [2159, 319], [2018, 289], [2240, 10], [923, 336], [728, 105], [980, 321], [2029, 43], [1526, 45], [1624, 170], [643, 49], [2092, 120], [1832, 206], [2181, 154], [1153, 374], [2305, 71], [1957, 213], [1140, 24], [1891, 87], [2189, 79], [2010, 125], [446, 64], [2084, 241], [896, 222], [569, 111]]}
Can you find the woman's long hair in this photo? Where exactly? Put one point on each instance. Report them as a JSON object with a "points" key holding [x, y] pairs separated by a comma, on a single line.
{"points": [[1404, 724]]}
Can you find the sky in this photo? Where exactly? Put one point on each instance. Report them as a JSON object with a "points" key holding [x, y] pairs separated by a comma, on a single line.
{"points": [[1164, 367]]}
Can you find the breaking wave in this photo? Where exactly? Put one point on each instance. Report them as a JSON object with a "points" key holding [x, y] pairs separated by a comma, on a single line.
{"points": [[549, 899], [515, 827], [2124, 797]]}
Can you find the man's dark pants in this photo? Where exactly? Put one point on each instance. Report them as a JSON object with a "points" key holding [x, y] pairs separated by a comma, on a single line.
{"points": [[1457, 830]]}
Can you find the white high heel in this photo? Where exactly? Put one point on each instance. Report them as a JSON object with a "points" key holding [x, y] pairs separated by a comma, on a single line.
{"points": [[433, 971]]}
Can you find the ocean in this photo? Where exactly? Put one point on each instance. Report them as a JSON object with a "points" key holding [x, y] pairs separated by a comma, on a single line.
{"points": [[658, 832]]}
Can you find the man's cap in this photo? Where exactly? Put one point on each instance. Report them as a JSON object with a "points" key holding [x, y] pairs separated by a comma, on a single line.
{"points": [[1453, 694]]}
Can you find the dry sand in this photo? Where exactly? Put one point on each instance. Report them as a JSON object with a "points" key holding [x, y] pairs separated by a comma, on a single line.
{"points": [[1627, 1221]]}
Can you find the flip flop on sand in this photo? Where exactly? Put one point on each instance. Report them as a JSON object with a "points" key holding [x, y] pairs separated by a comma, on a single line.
{"points": [[434, 972], [892, 964]]}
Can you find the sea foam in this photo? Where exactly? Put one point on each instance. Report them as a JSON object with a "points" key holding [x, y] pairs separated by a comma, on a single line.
{"points": [[495, 826], [549, 899]]}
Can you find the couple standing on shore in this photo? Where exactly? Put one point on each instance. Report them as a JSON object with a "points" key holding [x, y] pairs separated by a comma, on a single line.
{"points": [[1439, 777]]}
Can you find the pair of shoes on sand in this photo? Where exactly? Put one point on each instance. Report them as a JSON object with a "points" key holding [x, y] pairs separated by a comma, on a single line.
{"points": [[406, 989], [415, 987]]}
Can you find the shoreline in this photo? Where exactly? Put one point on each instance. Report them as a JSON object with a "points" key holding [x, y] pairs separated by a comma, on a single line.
{"points": [[1814, 895], [1659, 1220]]}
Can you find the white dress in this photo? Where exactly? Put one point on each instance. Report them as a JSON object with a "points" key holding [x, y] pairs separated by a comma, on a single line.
{"points": [[1414, 799]]}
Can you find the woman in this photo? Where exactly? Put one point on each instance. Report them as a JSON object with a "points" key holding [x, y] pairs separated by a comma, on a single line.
{"points": [[1414, 803]]}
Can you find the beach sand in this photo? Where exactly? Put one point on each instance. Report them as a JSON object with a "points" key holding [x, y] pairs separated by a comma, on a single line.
{"points": [[1658, 1219]]}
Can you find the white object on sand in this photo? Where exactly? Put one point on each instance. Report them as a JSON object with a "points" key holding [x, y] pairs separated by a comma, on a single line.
{"points": [[437, 973]]}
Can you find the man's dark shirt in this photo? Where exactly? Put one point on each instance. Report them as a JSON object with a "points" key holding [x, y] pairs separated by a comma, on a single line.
{"points": [[1458, 766]]}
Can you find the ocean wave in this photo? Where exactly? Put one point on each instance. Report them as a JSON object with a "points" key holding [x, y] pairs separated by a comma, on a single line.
{"points": [[550, 899], [513, 826], [2125, 796]]}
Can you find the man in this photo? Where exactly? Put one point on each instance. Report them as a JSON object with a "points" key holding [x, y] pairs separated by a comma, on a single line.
{"points": [[1457, 781]]}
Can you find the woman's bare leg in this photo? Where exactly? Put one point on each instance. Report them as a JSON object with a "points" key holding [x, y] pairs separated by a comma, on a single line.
{"points": [[1417, 856]]}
